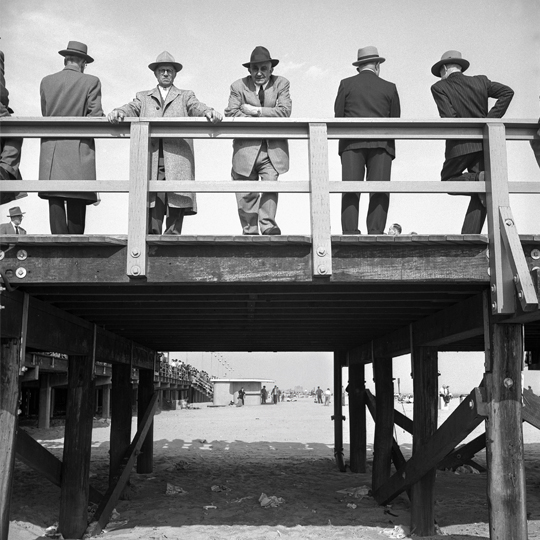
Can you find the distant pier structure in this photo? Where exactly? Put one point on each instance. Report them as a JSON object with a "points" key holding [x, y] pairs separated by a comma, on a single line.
{"points": [[119, 299]]}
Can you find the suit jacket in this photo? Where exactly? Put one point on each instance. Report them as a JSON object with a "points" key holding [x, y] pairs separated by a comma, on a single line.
{"points": [[69, 93], [9, 228], [178, 153], [366, 95], [277, 103], [461, 96]]}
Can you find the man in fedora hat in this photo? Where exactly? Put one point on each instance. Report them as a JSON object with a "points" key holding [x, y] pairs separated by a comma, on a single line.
{"points": [[171, 159], [366, 95], [461, 96], [260, 94], [14, 226], [69, 92]]}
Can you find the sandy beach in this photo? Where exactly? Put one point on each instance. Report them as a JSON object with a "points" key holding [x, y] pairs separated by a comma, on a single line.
{"points": [[211, 466]]}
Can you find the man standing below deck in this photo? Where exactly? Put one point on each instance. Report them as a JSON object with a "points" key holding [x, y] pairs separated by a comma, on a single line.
{"points": [[460, 96], [261, 94], [14, 226], [366, 95], [69, 92], [171, 158]]}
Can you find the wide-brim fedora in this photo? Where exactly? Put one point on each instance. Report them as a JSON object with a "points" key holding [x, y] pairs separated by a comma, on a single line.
{"points": [[165, 58], [76, 48], [450, 57], [368, 55], [261, 54], [15, 211]]}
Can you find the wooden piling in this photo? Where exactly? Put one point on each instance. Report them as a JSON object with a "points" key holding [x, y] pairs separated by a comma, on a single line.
{"points": [[425, 386], [45, 395], [384, 424], [77, 448], [9, 399], [121, 414], [339, 360], [106, 401], [145, 460], [357, 416]]}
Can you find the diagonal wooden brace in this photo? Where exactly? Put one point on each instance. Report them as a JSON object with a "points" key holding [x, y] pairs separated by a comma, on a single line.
{"points": [[469, 414], [522, 278], [530, 412]]}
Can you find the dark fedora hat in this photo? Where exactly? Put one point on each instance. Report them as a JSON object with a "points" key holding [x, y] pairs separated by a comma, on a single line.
{"points": [[15, 211], [449, 57], [76, 48], [261, 54], [165, 58], [367, 55]]}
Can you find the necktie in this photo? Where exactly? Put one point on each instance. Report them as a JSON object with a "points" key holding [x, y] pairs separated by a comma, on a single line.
{"points": [[261, 95], [16, 229]]}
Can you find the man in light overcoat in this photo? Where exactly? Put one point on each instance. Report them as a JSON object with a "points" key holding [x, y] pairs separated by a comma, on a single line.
{"points": [[171, 159], [260, 94], [69, 92]]}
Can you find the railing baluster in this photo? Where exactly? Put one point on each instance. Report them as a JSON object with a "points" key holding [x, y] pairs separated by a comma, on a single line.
{"points": [[320, 201], [139, 163]]}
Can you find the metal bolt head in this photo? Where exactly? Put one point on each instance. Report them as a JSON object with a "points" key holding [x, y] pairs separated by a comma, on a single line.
{"points": [[508, 222], [22, 255], [493, 288], [494, 306], [471, 404], [516, 279], [508, 383], [136, 270], [321, 252], [135, 252], [535, 254], [520, 294], [321, 269], [20, 273]]}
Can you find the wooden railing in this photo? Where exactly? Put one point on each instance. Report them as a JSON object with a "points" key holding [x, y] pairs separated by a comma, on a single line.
{"points": [[509, 274]]}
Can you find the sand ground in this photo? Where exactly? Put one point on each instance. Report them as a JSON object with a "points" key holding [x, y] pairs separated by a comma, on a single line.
{"points": [[284, 451]]}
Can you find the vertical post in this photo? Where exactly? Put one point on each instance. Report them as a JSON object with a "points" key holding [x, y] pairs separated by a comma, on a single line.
{"points": [[45, 391], [121, 414], [145, 460], [139, 164], [502, 286], [384, 422], [77, 448], [357, 415], [339, 360], [506, 472], [9, 399], [425, 385], [320, 201], [106, 401]]}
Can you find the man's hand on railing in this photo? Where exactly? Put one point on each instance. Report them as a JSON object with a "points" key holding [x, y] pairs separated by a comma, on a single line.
{"points": [[250, 110], [213, 116], [116, 116]]}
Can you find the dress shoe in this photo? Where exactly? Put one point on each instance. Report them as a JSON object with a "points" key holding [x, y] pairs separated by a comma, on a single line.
{"points": [[250, 233], [272, 231]]}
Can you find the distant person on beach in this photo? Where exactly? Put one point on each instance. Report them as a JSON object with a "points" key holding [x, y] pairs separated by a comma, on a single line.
{"points": [[171, 158], [241, 394], [70, 92], [444, 392], [366, 95], [327, 396], [264, 394], [319, 394], [259, 95], [460, 96]]}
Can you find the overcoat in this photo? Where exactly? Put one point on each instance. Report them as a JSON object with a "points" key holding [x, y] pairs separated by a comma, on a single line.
{"points": [[178, 153], [277, 103], [9, 228], [69, 93]]}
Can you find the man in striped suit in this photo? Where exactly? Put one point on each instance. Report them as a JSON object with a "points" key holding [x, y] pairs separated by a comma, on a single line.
{"points": [[460, 96]]}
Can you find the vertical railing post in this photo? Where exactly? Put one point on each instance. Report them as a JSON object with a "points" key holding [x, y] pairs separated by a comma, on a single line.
{"points": [[139, 163], [320, 201]]}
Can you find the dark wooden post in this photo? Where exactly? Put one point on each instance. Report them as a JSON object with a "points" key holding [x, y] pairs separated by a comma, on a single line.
{"points": [[45, 394], [384, 423], [506, 473], [9, 401], [357, 415], [145, 460], [77, 448], [425, 385], [339, 360], [121, 414]]}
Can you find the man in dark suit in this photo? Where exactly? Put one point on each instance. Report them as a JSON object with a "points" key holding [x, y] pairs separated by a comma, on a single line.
{"points": [[260, 94], [366, 95], [69, 92], [460, 96], [14, 226]]}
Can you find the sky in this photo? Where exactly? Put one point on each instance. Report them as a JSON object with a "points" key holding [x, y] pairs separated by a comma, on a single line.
{"points": [[316, 42]]}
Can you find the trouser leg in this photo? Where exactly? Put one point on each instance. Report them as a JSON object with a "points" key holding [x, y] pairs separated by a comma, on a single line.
{"points": [[248, 205], [156, 214], [268, 201], [175, 220], [379, 167], [353, 163], [76, 215], [57, 216]]}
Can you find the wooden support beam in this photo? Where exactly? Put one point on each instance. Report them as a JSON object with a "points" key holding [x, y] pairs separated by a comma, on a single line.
{"points": [[321, 255], [384, 423], [74, 493], [339, 361], [106, 401], [531, 408], [9, 401], [425, 382], [468, 415], [463, 455], [506, 470], [145, 460], [139, 170], [357, 417], [104, 511]]}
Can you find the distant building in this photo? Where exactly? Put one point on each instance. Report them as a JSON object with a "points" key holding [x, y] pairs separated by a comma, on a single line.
{"points": [[226, 390]]}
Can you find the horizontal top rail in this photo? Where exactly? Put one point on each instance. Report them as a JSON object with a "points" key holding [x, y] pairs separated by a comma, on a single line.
{"points": [[283, 128]]}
